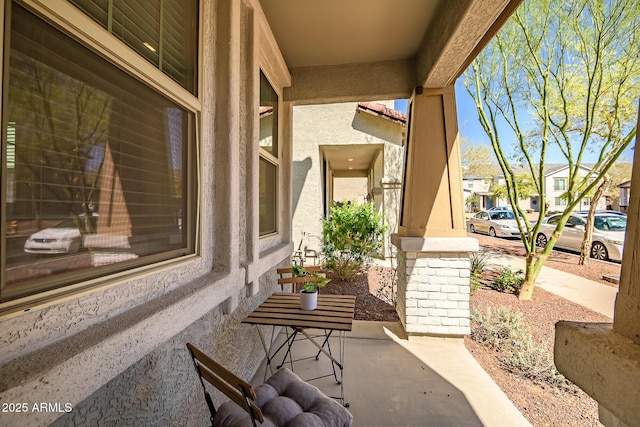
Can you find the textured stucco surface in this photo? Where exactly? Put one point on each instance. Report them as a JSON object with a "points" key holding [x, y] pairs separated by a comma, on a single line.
{"points": [[604, 364], [162, 388]]}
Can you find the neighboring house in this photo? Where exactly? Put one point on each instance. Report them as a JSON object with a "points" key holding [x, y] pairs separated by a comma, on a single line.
{"points": [[349, 151], [479, 187], [556, 181], [625, 195]]}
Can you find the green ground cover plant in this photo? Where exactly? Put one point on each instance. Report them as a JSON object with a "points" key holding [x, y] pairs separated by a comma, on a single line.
{"points": [[505, 331]]}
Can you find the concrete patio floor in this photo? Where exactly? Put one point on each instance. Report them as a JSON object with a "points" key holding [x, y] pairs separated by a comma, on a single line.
{"points": [[390, 380]]}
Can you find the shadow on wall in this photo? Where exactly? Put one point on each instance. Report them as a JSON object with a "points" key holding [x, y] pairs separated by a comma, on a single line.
{"points": [[300, 171], [366, 123]]}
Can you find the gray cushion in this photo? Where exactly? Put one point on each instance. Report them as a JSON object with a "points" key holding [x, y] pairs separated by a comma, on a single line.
{"points": [[287, 401]]}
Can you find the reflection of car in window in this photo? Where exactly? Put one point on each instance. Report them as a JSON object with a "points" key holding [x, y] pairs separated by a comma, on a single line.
{"points": [[62, 238]]}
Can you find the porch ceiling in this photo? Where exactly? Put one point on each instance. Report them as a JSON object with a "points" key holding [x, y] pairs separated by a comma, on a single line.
{"points": [[314, 33], [358, 50], [350, 160]]}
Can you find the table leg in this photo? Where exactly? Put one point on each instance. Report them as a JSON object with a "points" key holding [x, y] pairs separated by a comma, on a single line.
{"points": [[267, 350]]}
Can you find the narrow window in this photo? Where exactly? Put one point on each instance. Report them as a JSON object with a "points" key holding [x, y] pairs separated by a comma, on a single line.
{"points": [[269, 161]]}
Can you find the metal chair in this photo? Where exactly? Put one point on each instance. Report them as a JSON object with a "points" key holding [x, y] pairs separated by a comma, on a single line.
{"points": [[239, 391]]}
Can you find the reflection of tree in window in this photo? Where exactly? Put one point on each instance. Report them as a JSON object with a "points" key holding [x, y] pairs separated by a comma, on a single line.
{"points": [[62, 123], [88, 139]]}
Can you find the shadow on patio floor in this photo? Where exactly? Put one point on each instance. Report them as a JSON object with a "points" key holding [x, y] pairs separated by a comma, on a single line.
{"points": [[392, 381]]}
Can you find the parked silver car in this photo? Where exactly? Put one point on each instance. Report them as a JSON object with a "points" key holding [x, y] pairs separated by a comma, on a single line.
{"points": [[608, 234], [501, 223]]}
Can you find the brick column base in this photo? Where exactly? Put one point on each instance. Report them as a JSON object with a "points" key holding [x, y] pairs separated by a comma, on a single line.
{"points": [[433, 284]]}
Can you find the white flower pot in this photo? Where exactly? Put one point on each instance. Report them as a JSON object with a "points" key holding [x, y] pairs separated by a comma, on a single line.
{"points": [[308, 301]]}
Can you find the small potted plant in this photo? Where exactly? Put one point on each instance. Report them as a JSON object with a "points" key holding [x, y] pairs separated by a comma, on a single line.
{"points": [[309, 292]]}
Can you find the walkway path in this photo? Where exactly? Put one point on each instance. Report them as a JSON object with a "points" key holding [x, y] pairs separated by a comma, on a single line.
{"points": [[592, 295]]}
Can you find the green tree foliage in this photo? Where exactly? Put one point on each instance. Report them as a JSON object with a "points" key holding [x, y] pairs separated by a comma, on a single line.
{"points": [[524, 184], [563, 74], [478, 160], [351, 234]]}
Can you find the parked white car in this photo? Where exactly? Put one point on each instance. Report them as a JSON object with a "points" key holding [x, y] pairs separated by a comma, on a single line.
{"points": [[608, 234], [497, 223], [62, 238]]}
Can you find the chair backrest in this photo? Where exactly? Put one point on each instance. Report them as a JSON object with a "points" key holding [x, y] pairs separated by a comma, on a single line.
{"points": [[236, 389], [293, 280]]}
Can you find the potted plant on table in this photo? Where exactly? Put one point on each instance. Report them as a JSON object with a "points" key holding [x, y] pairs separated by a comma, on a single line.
{"points": [[309, 292]]}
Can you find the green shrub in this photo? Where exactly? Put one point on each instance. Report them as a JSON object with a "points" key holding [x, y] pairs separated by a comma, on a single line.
{"points": [[508, 281], [351, 234]]}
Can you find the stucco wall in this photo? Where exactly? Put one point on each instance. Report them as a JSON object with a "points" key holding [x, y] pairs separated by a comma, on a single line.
{"points": [[116, 352], [341, 124]]}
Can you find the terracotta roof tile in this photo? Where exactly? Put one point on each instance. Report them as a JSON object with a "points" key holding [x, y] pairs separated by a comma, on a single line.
{"points": [[382, 110]]}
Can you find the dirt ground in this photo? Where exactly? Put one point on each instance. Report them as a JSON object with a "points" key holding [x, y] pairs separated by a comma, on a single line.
{"points": [[542, 406]]}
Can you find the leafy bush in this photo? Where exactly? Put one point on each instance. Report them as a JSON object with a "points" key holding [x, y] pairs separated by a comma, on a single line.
{"points": [[508, 281], [351, 234], [506, 331]]}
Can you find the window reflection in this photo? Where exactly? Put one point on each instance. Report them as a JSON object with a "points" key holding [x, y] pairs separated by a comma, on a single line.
{"points": [[268, 117], [268, 157], [96, 162]]}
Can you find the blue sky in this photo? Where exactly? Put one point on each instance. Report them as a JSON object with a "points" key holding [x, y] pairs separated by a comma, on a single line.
{"points": [[469, 126]]}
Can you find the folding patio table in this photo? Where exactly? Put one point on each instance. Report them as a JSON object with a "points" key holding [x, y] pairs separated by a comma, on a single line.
{"points": [[334, 314]]}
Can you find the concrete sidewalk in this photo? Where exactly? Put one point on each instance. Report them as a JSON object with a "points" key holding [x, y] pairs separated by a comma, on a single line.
{"points": [[592, 295]]}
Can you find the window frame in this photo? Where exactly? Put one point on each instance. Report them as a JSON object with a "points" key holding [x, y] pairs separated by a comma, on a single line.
{"points": [[556, 184], [273, 159], [559, 201], [72, 22]]}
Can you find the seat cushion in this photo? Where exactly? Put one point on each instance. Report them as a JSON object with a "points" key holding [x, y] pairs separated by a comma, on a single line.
{"points": [[287, 401]]}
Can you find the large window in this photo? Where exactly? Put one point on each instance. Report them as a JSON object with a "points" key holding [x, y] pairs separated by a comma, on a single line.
{"points": [[163, 31], [268, 191], [97, 165]]}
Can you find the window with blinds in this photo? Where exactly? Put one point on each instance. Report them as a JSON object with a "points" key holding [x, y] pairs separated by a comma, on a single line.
{"points": [[99, 177], [165, 32]]}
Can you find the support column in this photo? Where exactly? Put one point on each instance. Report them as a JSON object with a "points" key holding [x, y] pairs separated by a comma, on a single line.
{"points": [[604, 359], [433, 250]]}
